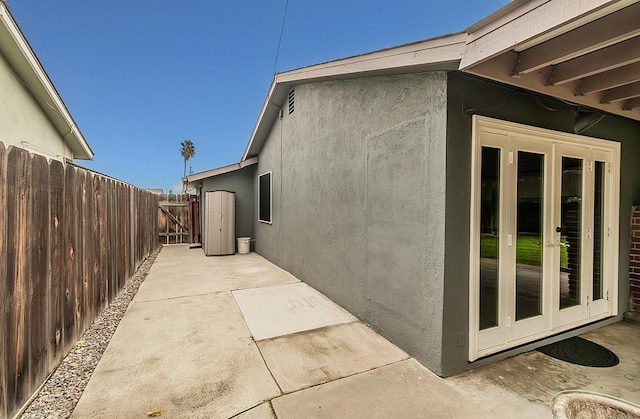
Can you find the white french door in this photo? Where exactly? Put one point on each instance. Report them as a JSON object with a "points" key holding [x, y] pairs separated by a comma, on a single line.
{"points": [[543, 233]]}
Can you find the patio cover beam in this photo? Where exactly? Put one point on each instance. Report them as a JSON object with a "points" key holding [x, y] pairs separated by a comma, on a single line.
{"points": [[621, 93], [606, 59], [606, 31], [614, 78], [631, 104]]}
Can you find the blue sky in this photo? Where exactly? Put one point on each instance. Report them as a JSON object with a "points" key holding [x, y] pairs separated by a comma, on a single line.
{"points": [[141, 76]]}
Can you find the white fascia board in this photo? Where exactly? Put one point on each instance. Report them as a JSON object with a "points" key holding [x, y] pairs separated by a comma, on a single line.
{"points": [[445, 49], [267, 107], [31, 72], [221, 170], [530, 24], [442, 52]]}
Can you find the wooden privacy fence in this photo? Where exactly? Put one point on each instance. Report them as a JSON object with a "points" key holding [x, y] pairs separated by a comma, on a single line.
{"points": [[178, 219], [69, 240]]}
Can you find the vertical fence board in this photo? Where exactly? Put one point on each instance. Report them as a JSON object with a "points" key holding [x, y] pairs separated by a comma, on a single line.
{"points": [[56, 283], [126, 236], [3, 283], [38, 243], [70, 256], [102, 245], [132, 239], [95, 248], [113, 265], [118, 232], [87, 259], [78, 260], [17, 343]]}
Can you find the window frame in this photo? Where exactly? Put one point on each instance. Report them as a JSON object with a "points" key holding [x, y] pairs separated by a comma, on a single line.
{"points": [[260, 198]]}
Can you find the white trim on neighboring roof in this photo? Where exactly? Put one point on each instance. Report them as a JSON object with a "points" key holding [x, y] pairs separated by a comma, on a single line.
{"points": [[221, 170], [531, 23], [36, 80]]}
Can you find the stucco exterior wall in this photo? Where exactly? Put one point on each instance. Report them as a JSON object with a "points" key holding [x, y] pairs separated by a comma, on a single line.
{"points": [[358, 172], [241, 182], [502, 102], [22, 120]]}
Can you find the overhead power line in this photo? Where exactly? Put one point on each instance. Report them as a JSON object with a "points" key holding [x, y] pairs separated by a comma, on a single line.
{"points": [[284, 17]]}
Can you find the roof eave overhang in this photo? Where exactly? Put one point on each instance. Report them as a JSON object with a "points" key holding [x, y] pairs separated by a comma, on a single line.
{"points": [[221, 170], [26, 66], [498, 43], [442, 53], [525, 23]]}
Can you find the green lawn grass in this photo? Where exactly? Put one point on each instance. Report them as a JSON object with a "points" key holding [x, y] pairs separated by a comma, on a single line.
{"points": [[528, 252]]}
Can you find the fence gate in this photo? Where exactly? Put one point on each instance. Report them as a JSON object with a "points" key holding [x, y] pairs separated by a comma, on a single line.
{"points": [[178, 219]]}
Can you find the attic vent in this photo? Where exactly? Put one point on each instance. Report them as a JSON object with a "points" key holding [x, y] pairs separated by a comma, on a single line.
{"points": [[291, 101]]}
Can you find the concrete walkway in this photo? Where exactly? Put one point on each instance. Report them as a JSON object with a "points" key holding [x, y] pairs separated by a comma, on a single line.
{"points": [[236, 336]]}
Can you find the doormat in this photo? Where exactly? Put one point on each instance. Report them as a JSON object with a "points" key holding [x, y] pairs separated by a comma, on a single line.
{"points": [[579, 351]]}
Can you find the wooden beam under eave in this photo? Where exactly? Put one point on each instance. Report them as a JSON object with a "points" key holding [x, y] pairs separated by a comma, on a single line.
{"points": [[615, 56], [499, 69], [629, 91], [631, 104], [614, 78], [593, 36]]}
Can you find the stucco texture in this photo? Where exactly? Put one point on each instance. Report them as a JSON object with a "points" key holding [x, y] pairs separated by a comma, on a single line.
{"points": [[358, 172]]}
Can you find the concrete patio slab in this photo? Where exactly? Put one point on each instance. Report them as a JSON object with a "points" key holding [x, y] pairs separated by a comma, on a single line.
{"points": [[402, 390], [190, 356], [317, 356], [181, 271], [526, 383], [285, 309], [192, 345]]}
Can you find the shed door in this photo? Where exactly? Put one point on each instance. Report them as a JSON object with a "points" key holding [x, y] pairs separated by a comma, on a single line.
{"points": [[220, 223]]}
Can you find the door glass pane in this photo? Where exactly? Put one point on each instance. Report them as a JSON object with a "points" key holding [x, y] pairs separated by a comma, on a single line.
{"points": [[598, 232], [529, 237], [489, 233], [570, 240]]}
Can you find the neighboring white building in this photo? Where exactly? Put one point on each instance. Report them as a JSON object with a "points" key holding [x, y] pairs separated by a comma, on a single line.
{"points": [[32, 114]]}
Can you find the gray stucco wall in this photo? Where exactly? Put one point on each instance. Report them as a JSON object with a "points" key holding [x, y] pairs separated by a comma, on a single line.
{"points": [[241, 182], [369, 174], [358, 174], [498, 101]]}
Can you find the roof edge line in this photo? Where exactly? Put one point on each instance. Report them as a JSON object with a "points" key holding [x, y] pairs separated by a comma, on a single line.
{"points": [[221, 170], [38, 70]]}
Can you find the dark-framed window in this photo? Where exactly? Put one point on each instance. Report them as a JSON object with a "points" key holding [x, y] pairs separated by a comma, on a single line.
{"points": [[264, 197]]}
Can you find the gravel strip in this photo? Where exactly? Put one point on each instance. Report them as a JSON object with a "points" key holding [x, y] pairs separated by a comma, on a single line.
{"points": [[62, 390]]}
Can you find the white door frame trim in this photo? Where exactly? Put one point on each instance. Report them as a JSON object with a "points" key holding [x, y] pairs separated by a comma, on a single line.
{"points": [[485, 125]]}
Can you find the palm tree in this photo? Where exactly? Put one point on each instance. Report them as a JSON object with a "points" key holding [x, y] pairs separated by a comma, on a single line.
{"points": [[187, 150]]}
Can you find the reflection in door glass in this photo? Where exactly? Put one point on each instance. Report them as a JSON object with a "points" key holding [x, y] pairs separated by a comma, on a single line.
{"points": [[529, 237], [598, 232], [571, 227], [489, 233]]}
